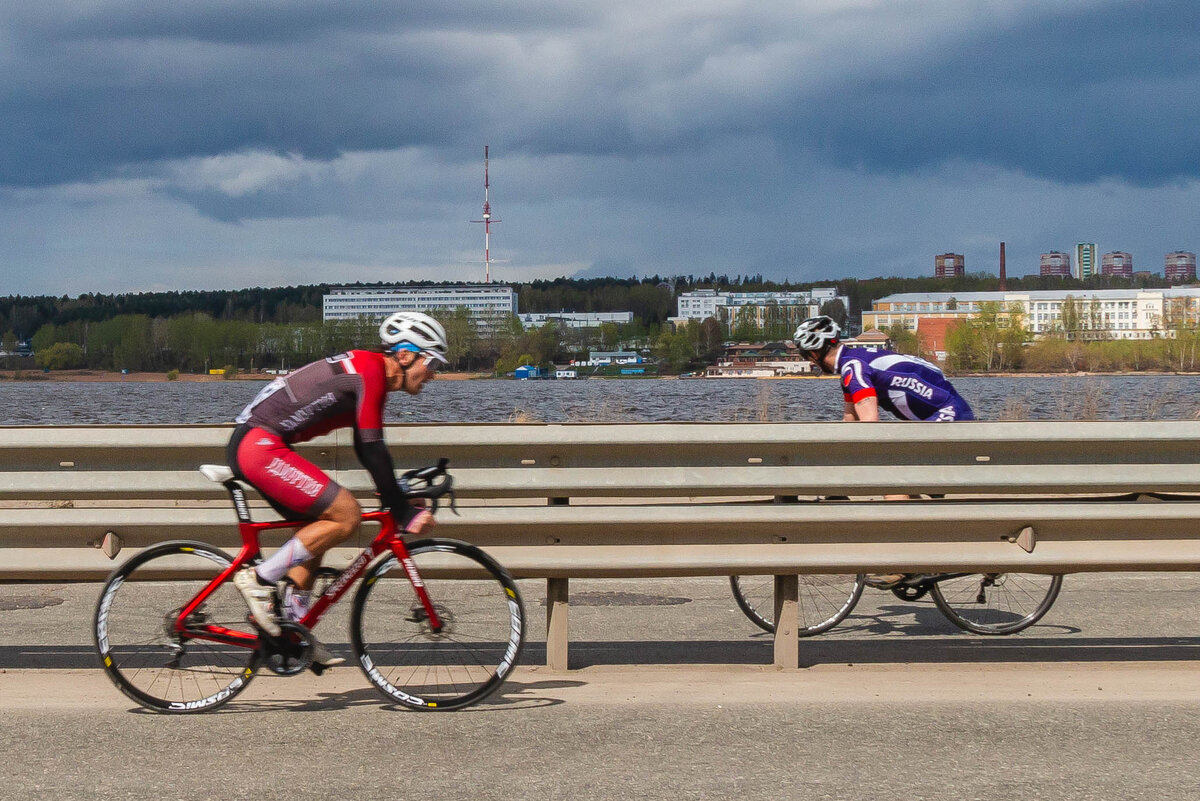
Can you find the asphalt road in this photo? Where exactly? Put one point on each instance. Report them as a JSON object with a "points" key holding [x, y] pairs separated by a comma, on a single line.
{"points": [[670, 696]]}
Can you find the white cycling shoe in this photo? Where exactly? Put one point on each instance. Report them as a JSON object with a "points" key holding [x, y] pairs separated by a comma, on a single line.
{"points": [[260, 598]]}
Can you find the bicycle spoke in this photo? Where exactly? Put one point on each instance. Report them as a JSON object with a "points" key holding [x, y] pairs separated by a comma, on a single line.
{"points": [[135, 636], [1003, 603], [823, 600], [482, 627]]}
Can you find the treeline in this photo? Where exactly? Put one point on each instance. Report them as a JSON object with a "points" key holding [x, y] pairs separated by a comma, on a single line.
{"points": [[193, 342], [194, 331], [651, 299], [197, 343]]}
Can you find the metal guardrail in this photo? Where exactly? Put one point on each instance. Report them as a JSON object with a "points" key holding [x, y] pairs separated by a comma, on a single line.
{"points": [[592, 500]]}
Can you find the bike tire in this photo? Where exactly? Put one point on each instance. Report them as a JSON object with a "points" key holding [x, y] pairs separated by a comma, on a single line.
{"points": [[824, 600], [996, 603], [154, 666], [483, 620]]}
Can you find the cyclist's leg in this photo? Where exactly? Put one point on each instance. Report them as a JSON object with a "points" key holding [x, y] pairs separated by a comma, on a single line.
{"points": [[297, 488], [336, 524], [952, 412]]}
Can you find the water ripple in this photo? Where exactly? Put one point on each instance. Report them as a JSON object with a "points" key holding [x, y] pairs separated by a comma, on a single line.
{"points": [[1140, 397]]}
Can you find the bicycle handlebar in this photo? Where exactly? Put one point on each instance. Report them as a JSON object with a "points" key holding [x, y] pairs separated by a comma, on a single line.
{"points": [[428, 485]]}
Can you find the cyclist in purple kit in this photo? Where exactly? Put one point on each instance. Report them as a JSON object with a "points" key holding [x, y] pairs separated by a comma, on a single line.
{"points": [[908, 387], [874, 378]]}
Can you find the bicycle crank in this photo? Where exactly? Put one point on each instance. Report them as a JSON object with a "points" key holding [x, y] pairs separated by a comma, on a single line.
{"points": [[289, 653]]}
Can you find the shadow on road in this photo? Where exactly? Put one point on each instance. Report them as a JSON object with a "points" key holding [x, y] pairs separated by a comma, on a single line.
{"points": [[1038, 644]]}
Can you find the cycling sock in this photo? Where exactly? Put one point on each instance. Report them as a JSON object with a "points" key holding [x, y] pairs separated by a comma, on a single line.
{"points": [[290, 554], [295, 602]]}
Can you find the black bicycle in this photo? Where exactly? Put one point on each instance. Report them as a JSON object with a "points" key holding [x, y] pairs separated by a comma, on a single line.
{"points": [[981, 603]]}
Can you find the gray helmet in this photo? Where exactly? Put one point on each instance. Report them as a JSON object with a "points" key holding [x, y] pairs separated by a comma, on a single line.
{"points": [[816, 334]]}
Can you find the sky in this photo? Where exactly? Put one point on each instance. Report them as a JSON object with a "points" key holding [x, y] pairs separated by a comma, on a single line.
{"points": [[222, 144]]}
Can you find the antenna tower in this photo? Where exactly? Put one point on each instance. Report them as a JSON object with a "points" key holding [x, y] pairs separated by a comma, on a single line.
{"points": [[487, 223]]}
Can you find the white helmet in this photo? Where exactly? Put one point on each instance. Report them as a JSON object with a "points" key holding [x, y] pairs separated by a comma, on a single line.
{"points": [[413, 331], [816, 333]]}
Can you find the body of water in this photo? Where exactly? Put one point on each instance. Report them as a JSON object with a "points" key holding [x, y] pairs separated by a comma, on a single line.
{"points": [[1136, 397]]}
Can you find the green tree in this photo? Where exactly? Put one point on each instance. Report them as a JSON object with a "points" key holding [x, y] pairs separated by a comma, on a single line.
{"points": [[710, 340], [60, 356], [965, 350], [745, 325], [679, 351], [904, 340], [8, 344], [837, 310], [1070, 317], [462, 337]]}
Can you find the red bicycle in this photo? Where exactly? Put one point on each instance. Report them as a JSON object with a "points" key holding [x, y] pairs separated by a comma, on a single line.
{"points": [[436, 623]]}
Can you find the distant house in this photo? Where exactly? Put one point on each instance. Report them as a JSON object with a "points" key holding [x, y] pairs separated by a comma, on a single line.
{"points": [[759, 360], [565, 372], [600, 358], [868, 338], [527, 371]]}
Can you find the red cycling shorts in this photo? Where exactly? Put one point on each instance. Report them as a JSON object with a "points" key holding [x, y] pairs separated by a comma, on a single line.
{"points": [[289, 482]]}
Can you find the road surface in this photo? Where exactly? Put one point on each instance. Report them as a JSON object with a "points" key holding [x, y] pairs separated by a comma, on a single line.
{"points": [[670, 696]]}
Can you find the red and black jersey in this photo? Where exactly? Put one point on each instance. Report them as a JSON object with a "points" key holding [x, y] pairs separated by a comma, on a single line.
{"points": [[348, 390], [343, 391]]}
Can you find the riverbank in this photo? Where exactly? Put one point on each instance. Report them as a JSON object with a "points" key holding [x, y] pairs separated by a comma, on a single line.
{"points": [[103, 376]]}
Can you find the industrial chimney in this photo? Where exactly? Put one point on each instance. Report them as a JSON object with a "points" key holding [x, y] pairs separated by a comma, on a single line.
{"points": [[1003, 287]]}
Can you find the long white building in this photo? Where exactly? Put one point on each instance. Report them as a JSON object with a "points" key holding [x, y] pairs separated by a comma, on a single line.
{"points": [[725, 306], [1115, 313], [575, 319], [490, 304]]}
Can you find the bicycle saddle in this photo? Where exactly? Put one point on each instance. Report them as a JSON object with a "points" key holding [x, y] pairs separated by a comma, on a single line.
{"points": [[216, 472]]}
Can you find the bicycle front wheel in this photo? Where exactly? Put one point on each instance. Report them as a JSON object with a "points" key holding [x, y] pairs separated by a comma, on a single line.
{"points": [[996, 603], [482, 629], [824, 601], [134, 629]]}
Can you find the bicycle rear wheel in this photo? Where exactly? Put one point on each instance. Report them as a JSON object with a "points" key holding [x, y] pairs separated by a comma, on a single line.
{"points": [[824, 600], [134, 629], [996, 603], [483, 626]]}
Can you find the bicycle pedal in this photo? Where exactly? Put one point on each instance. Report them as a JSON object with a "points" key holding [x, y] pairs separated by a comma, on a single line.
{"points": [[317, 668]]}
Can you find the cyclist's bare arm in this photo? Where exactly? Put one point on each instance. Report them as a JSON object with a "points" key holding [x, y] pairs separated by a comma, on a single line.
{"points": [[865, 411]]}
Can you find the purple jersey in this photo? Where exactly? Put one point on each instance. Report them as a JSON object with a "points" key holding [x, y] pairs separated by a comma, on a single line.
{"points": [[908, 387]]}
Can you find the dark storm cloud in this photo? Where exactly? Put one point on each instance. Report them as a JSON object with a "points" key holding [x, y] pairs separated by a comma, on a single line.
{"points": [[231, 141], [1101, 93], [123, 84]]}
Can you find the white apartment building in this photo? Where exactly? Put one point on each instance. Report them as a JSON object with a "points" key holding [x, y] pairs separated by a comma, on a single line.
{"points": [[1115, 313], [490, 304], [724, 306], [575, 319]]}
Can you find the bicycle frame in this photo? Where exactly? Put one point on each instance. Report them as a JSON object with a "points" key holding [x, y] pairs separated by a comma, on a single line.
{"points": [[388, 539]]}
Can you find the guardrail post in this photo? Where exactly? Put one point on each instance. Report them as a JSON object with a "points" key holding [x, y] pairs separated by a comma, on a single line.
{"points": [[787, 621], [557, 608]]}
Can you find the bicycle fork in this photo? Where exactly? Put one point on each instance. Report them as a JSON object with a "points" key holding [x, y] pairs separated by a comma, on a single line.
{"points": [[431, 615]]}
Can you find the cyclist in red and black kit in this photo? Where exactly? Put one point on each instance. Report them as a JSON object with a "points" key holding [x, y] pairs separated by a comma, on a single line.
{"points": [[346, 390]]}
